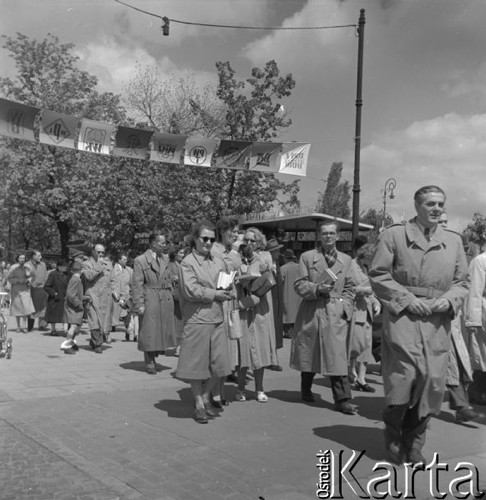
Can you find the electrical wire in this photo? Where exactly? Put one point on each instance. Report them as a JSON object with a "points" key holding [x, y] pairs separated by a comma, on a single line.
{"points": [[166, 20]]}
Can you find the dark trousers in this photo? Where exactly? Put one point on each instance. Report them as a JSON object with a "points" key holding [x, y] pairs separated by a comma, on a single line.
{"points": [[97, 338], [341, 388], [458, 396], [402, 425]]}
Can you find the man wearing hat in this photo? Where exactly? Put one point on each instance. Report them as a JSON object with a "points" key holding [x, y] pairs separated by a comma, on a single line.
{"points": [[291, 301]]}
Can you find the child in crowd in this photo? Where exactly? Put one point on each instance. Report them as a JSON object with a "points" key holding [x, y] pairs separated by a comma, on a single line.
{"points": [[73, 308]]}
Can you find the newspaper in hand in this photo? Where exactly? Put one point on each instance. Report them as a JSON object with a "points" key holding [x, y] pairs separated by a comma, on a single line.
{"points": [[225, 280]]}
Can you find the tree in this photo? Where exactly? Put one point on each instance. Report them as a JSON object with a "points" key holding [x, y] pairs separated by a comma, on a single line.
{"points": [[53, 184], [375, 218], [335, 199], [477, 229], [228, 111]]}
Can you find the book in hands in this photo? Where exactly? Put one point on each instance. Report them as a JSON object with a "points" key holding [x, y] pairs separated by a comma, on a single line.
{"points": [[225, 280], [329, 278]]}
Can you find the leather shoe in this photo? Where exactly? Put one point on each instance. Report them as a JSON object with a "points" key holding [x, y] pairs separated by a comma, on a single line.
{"points": [[200, 416], [275, 368], [363, 387], [416, 459], [98, 350], [70, 350], [210, 411], [151, 370], [394, 452], [217, 404], [345, 407], [308, 397], [466, 414]]}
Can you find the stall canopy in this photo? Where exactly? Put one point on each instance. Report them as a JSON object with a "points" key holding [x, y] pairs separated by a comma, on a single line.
{"points": [[301, 223]]}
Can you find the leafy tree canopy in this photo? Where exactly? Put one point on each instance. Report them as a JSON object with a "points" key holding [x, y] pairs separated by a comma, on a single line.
{"points": [[335, 199]]}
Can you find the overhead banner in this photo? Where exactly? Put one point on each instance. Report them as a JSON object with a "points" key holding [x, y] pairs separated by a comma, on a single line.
{"points": [[22, 121], [17, 120], [167, 148], [95, 137], [199, 151], [233, 154], [57, 129], [293, 158], [265, 156], [132, 142]]}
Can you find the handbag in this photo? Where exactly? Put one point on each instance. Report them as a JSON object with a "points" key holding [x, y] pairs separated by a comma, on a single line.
{"points": [[247, 301], [263, 284], [234, 326]]}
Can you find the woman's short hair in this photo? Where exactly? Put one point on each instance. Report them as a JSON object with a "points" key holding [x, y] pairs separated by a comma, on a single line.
{"points": [[224, 225], [17, 258], [367, 251], [175, 249], [197, 229]]}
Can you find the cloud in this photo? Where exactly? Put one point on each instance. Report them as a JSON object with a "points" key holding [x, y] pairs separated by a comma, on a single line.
{"points": [[449, 151], [116, 65]]}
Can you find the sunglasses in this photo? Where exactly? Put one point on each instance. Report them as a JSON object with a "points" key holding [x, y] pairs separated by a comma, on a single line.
{"points": [[207, 239]]}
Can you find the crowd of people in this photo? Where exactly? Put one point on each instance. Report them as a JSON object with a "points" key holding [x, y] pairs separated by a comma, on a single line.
{"points": [[224, 298]]}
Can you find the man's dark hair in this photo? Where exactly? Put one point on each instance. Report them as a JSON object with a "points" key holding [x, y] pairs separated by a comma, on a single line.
{"points": [[427, 189], [162, 232]]}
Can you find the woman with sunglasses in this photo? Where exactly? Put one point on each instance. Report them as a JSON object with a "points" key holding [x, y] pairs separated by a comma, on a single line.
{"points": [[204, 353]]}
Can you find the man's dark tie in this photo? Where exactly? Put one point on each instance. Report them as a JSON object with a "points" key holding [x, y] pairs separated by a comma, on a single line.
{"points": [[331, 257], [427, 233]]}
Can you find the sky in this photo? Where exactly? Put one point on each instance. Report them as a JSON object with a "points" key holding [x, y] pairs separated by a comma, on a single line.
{"points": [[424, 79]]}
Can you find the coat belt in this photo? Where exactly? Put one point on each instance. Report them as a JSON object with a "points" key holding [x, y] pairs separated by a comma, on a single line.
{"points": [[428, 292], [155, 287]]}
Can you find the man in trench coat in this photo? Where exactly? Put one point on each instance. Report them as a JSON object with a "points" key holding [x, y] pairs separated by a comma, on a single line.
{"points": [[153, 301], [96, 278], [320, 340], [419, 274]]}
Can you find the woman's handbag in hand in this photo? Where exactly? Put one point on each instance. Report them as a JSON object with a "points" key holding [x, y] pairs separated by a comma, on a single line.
{"points": [[234, 326], [248, 301], [263, 284]]}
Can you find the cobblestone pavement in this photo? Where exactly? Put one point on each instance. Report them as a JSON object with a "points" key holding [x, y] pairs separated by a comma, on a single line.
{"points": [[95, 427]]}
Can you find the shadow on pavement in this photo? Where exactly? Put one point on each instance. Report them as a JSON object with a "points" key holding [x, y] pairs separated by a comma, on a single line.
{"points": [[449, 417], [369, 407], [139, 366], [355, 438], [295, 397], [174, 408]]}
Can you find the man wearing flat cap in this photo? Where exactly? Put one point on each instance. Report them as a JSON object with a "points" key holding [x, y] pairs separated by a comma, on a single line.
{"points": [[419, 274]]}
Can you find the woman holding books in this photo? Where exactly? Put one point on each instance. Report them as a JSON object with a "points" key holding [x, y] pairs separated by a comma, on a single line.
{"points": [[256, 347], [204, 354]]}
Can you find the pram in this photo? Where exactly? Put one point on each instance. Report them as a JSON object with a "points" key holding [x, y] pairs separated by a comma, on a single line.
{"points": [[5, 344]]}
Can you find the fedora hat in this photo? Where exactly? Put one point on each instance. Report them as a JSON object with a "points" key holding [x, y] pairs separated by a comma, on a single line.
{"points": [[289, 254], [272, 245]]}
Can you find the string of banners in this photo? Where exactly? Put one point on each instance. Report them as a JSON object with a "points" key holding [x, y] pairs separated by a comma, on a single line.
{"points": [[56, 129]]}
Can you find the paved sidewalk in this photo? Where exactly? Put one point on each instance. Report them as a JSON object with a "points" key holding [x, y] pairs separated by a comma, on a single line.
{"points": [[94, 426]]}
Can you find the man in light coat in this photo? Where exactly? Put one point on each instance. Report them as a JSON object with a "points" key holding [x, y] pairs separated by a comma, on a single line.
{"points": [[475, 316], [419, 274], [96, 276], [38, 273], [153, 301], [320, 340]]}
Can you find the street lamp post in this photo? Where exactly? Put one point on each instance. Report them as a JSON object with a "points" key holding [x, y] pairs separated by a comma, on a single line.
{"points": [[390, 185]]}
